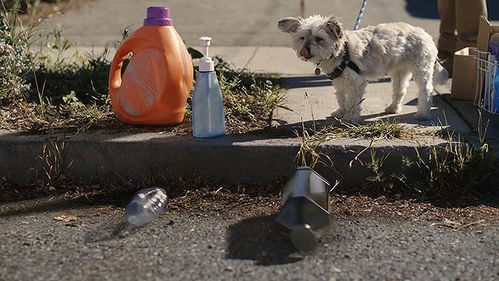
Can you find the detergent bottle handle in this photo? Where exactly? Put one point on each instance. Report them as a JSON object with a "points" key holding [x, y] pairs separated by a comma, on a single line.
{"points": [[115, 72]]}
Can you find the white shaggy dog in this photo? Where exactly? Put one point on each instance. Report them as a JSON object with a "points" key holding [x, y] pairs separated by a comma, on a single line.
{"points": [[397, 49]]}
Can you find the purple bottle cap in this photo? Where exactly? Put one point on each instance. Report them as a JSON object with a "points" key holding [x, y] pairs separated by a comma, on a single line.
{"points": [[158, 16]]}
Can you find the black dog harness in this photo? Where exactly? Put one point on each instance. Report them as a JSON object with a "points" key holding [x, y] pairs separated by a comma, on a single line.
{"points": [[346, 62]]}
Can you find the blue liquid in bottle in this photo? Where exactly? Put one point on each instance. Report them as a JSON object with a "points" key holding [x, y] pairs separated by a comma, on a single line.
{"points": [[208, 118]]}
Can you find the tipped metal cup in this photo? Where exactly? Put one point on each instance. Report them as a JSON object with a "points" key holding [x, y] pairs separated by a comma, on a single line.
{"points": [[304, 239], [304, 208]]}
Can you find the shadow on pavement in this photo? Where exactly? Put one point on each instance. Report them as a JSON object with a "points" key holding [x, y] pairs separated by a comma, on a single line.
{"points": [[422, 9], [428, 9], [493, 9], [438, 120], [299, 82], [256, 239], [110, 230], [40, 205]]}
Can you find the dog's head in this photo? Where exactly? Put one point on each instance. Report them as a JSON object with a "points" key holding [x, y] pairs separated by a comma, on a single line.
{"points": [[314, 38]]}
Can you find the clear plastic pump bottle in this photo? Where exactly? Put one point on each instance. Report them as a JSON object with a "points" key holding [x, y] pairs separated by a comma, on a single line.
{"points": [[145, 206], [208, 119]]}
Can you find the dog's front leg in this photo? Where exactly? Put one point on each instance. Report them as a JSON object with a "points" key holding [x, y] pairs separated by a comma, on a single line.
{"points": [[341, 99], [356, 91]]}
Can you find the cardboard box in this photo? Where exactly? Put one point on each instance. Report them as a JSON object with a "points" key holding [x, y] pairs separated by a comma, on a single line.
{"points": [[466, 82], [485, 32], [464, 74]]}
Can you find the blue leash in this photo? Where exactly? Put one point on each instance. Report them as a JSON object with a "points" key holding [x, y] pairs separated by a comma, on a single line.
{"points": [[361, 14]]}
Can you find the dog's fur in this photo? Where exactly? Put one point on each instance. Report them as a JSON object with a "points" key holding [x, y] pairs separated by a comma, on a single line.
{"points": [[397, 49]]}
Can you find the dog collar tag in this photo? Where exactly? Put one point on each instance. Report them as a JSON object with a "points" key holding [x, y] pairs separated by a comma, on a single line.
{"points": [[317, 71]]}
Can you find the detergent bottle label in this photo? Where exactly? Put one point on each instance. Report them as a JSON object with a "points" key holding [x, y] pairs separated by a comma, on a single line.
{"points": [[142, 83]]}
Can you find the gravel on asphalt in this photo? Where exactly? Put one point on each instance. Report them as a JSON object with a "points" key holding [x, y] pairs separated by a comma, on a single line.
{"points": [[221, 236]]}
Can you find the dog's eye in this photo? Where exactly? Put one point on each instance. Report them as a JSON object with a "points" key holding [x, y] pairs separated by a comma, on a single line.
{"points": [[302, 38], [319, 39]]}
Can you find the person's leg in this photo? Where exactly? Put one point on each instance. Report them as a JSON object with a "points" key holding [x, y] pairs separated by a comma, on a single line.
{"points": [[447, 40], [468, 13]]}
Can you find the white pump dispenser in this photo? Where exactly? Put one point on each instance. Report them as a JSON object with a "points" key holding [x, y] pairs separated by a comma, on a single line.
{"points": [[206, 63]]}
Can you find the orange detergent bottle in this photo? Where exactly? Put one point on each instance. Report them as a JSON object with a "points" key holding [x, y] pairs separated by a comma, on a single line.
{"points": [[157, 81]]}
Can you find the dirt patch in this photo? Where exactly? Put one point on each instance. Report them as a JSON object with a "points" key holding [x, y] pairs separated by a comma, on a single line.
{"points": [[342, 206], [382, 207], [224, 202]]}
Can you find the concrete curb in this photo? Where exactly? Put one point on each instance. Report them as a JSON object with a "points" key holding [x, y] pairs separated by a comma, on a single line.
{"points": [[229, 159]]}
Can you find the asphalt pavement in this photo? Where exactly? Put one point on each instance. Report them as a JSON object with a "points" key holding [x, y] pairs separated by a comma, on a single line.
{"points": [[232, 245]]}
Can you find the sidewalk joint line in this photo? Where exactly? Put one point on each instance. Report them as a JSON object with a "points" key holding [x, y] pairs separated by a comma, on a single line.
{"points": [[251, 57]]}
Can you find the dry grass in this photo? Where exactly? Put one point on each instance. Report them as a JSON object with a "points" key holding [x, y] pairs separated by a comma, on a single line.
{"points": [[249, 101], [34, 118], [379, 130]]}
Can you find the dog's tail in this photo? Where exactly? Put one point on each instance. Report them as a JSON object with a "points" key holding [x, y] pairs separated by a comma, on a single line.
{"points": [[440, 74]]}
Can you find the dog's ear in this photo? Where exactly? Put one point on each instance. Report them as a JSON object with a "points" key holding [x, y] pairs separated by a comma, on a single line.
{"points": [[334, 27], [289, 25]]}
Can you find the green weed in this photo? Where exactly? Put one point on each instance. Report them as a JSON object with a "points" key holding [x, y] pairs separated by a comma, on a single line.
{"points": [[379, 130], [53, 161], [309, 153], [455, 169], [15, 57], [249, 99]]}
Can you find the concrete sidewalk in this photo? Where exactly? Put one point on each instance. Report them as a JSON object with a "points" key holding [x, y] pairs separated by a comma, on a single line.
{"points": [[312, 98], [231, 23]]}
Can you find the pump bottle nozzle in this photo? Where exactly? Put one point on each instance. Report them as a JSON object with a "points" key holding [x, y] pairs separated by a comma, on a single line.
{"points": [[205, 42], [206, 63]]}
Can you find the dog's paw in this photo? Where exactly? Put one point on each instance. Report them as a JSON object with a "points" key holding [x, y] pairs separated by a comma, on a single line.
{"points": [[393, 108], [421, 116], [339, 113], [352, 118], [354, 121]]}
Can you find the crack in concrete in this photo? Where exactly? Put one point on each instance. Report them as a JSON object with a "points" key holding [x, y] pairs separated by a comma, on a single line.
{"points": [[251, 57]]}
